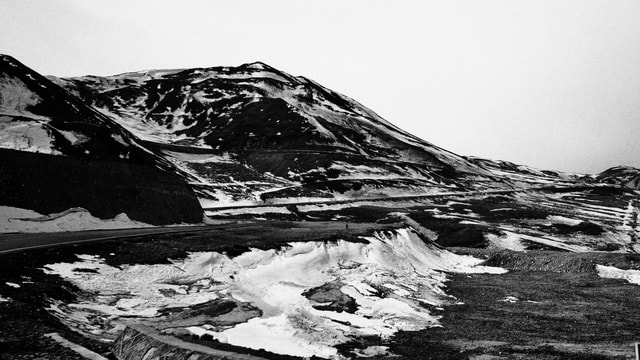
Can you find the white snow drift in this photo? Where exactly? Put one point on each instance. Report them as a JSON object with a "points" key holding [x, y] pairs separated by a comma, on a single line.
{"points": [[612, 272], [75, 219], [390, 276]]}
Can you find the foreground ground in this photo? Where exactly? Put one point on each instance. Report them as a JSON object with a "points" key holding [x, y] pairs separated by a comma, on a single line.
{"points": [[548, 306], [552, 304], [24, 318]]}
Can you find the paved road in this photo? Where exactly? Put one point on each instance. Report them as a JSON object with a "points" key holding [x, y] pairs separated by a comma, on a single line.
{"points": [[17, 242], [13, 243]]}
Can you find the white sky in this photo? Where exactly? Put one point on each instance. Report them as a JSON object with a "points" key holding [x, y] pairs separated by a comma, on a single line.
{"points": [[553, 84]]}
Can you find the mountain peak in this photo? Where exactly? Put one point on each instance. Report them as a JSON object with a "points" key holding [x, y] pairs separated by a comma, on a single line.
{"points": [[8, 59], [257, 65]]}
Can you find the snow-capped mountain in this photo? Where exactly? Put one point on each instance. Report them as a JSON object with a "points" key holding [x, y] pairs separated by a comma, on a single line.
{"points": [[253, 132], [241, 135], [254, 107], [58, 153]]}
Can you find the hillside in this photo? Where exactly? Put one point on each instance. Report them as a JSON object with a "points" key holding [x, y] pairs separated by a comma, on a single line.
{"points": [[252, 133], [58, 153], [328, 232]]}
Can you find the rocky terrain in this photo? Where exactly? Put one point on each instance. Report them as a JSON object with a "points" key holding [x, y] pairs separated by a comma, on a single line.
{"points": [[333, 233], [252, 133]]}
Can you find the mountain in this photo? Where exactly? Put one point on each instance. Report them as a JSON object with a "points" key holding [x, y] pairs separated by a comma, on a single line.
{"points": [[249, 134], [156, 145], [252, 133], [58, 153], [625, 176]]}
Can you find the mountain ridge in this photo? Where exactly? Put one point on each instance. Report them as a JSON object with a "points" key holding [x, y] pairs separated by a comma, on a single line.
{"points": [[272, 122], [252, 133]]}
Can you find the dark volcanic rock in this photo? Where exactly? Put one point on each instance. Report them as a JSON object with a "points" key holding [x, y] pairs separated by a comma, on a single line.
{"points": [[585, 227], [49, 184], [332, 298], [467, 237]]}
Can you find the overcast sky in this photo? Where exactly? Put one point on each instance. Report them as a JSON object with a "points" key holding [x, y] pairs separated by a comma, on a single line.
{"points": [[553, 84]]}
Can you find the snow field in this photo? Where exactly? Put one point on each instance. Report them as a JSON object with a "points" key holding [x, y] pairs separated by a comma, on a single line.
{"points": [[390, 276]]}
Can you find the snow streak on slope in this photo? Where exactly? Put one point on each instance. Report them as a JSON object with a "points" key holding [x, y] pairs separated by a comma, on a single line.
{"points": [[387, 279], [220, 180], [16, 99], [20, 129]]}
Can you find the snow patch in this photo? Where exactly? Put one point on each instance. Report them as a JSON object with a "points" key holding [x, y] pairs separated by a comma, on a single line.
{"points": [[29, 136], [612, 272], [556, 219], [74, 138], [22, 220], [510, 299], [15, 97], [509, 241]]}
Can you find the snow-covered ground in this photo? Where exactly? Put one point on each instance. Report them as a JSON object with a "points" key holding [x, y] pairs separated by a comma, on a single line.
{"points": [[612, 272], [22, 220], [390, 276]]}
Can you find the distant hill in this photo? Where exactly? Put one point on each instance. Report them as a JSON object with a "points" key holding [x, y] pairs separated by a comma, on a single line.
{"points": [[625, 176]]}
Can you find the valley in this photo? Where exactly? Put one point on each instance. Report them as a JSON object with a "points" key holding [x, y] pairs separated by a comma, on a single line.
{"points": [[550, 304], [243, 212]]}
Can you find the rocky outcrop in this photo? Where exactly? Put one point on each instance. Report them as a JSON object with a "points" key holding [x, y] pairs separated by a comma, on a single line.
{"points": [[50, 184], [143, 343]]}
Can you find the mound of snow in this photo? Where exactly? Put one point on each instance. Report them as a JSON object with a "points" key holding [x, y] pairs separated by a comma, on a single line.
{"points": [[391, 277], [22, 220], [557, 219], [612, 272]]}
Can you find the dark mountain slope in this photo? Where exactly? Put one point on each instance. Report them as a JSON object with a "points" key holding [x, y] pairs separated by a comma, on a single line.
{"points": [[289, 132], [250, 108], [70, 155]]}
